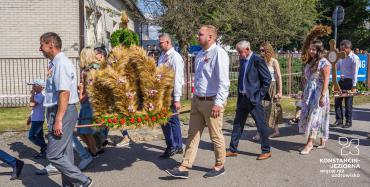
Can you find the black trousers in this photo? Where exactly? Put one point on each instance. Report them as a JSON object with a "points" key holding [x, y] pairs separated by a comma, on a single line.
{"points": [[243, 109], [345, 84]]}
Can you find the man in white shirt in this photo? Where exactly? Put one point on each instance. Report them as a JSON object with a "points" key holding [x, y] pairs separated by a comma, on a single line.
{"points": [[61, 112], [348, 68], [172, 130], [207, 107]]}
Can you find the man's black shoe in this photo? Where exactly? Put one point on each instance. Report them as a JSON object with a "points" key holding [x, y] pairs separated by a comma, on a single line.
{"points": [[17, 170], [347, 125], [105, 143], [179, 151], [213, 173], [168, 153], [175, 172], [88, 183], [337, 123]]}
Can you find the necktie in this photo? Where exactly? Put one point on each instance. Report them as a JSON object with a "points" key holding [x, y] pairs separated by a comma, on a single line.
{"points": [[166, 60], [49, 69]]}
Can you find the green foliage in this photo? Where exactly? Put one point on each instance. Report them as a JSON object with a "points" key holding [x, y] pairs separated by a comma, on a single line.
{"points": [[278, 21], [125, 37], [361, 86], [356, 14]]}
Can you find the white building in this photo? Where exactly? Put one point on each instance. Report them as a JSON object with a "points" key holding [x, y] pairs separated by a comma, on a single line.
{"points": [[79, 23]]}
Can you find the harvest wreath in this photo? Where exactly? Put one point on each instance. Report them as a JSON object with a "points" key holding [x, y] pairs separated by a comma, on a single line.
{"points": [[129, 91]]}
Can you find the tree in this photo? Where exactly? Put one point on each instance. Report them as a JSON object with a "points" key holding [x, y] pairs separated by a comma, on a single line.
{"points": [[278, 21], [353, 28], [123, 35]]}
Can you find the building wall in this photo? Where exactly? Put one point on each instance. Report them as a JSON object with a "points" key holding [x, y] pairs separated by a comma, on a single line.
{"points": [[98, 32], [23, 21]]}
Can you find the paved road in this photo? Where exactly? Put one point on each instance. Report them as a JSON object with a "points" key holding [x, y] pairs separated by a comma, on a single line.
{"points": [[139, 165]]}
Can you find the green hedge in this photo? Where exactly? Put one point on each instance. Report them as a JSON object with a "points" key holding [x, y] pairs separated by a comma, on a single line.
{"points": [[125, 37]]}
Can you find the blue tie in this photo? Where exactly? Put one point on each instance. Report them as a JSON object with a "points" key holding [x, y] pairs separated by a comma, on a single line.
{"points": [[242, 70]]}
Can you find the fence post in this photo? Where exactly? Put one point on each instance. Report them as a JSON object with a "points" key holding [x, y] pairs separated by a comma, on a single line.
{"points": [[188, 76], [289, 68], [368, 71]]}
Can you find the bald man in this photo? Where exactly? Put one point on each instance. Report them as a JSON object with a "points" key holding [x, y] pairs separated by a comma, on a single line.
{"points": [[207, 107]]}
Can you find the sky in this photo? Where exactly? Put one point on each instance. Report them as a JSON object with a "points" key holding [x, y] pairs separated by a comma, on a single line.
{"points": [[153, 29]]}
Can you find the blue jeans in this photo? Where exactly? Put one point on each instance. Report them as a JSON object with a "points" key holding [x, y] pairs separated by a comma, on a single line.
{"points": [[172, 132], [36, 134], [79, 148], [5, 157], [124, 133], [104, 132]]}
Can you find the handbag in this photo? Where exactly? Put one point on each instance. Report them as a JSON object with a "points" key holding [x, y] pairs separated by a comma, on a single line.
{"points": [[274, 113]]}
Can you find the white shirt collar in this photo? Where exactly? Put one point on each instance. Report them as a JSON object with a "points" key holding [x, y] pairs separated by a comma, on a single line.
{"points": [[170, 51], [55, 59], [210, 48], [249, 56]]}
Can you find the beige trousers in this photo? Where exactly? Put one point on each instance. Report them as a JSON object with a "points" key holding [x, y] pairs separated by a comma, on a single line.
{"points": [[200, 117]]}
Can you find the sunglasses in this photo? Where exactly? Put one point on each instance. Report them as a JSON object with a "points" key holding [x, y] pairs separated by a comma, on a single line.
{"points": [[162, 42], [262, 50]]}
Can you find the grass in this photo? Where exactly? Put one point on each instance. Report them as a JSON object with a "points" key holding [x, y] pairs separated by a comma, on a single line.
{"points": [[14, 119], [288, 105]]}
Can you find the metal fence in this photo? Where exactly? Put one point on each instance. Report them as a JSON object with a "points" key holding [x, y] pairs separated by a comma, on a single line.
{"points": [[290, 67], [16, 72]]}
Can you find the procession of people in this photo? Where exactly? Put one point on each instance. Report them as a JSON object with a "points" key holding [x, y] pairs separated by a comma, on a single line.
{"points": [[259, 94]]}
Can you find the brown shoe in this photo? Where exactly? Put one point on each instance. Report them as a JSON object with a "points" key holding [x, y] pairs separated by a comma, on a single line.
{"points": [[264, 156], [231, 154]]}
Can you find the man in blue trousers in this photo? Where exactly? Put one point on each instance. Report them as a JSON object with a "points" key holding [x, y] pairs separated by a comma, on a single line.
{"points": [[172, 130]]}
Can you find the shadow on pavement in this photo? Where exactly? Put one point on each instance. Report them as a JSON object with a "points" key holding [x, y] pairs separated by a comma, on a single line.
{"points": [[28, 176], [119, 158], [26, 152], [335, 137]]}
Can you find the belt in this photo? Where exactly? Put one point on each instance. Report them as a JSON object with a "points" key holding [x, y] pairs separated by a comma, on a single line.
{"points": [[56, 106], [210, 98]]}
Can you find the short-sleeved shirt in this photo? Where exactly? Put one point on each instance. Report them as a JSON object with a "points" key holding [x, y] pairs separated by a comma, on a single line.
{"points": [[62, 77], [38, 111]]}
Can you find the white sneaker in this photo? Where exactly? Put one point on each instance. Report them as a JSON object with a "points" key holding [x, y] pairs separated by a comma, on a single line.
{"points": [[84, 163], [48, 170]]}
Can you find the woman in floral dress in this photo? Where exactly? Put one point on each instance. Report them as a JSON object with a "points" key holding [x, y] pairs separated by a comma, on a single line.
{"points": [[314, 120]]}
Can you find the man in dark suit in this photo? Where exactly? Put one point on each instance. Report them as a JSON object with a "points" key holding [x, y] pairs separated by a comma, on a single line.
{"points": [[253, 84]]}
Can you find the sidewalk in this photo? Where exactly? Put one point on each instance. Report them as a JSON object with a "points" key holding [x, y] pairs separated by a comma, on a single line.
{"points": [[139, 165]]}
